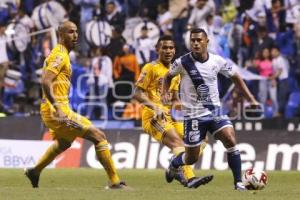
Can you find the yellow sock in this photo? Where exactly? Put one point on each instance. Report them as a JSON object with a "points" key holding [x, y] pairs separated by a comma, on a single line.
{"points": [[188, 172], [48, 157], [104, 156], [187, 169]]}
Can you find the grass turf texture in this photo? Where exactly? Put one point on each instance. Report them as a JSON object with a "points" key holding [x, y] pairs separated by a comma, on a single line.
{"points": [[81, 184]]}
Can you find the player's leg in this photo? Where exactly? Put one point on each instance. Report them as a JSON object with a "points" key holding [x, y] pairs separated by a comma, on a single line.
{"points": [[59, 146], [103, 154], [164, 132], [174, 142], [195, 134], [227, 136], [187, 169]]}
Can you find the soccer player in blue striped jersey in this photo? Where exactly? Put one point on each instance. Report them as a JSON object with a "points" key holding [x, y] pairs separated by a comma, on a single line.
{"points": [[199, 96]]}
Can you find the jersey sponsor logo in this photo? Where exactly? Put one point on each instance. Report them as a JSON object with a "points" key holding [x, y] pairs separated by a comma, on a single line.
{"points": [[203, 93], [193, 72], [194, 136]]}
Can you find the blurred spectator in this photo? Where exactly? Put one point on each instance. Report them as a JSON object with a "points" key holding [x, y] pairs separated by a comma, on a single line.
{"points": [[199, 13], [276, 17], [164, 19], [229, 11], [87, 8], [144, 47], [23, 18], [281, 72], [99, 81], [114, 17], [269, 85], [126, 71], [3, 59], [292, 11], [296, 56], [148, 9], [116, 43], [11, 92], [262, 41], [179, 12]]}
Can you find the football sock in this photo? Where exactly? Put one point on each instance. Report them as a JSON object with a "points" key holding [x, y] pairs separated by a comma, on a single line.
{"points": [[187, 169], [104, 157], [188, 172], [48, 157], [234, 162], [178, 160]]}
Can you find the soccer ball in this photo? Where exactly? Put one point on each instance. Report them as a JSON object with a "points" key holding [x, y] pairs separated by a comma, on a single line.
{"points": [[255, 179]]}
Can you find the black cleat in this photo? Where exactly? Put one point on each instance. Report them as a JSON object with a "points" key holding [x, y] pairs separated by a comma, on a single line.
{"points": [[32, 176], [122, 185], [170, 174], [195, 182], [179, 176]]}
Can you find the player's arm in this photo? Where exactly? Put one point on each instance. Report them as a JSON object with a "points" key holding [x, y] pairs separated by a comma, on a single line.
{"points": [[239, 82], [173, 71], [145, 78], [140, 96], [47, 80], [47, 83]]}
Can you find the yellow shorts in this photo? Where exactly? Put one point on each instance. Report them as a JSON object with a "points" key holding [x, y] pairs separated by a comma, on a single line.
{"points": [[76, 128], [158, 128]]}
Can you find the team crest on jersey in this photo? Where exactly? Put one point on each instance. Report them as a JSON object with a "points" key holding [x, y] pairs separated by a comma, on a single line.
{"points": [[58, 60], [141, 77], [228, 67]]}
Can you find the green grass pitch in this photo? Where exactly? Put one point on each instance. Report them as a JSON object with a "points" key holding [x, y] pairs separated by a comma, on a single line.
{"points": [[84, 184]]}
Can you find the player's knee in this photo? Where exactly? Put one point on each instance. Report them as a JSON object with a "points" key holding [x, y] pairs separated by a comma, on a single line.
{"points": [[229, 142], [63, 145], [95, 135], [177, 142]]}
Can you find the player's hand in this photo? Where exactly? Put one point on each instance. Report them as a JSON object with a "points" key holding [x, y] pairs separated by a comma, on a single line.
{"points": [[166, 98], [159, 114]]}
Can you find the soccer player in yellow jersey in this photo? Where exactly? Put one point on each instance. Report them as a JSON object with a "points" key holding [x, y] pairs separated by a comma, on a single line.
{"points": [[156, 119], [64, 124]]}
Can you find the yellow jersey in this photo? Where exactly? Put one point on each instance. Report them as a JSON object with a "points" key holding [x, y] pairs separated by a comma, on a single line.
{"points": [[59, 63], [151, 79]]}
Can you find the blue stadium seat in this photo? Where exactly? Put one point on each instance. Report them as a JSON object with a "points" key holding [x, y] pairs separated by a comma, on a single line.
{"points": [[293, 105]]}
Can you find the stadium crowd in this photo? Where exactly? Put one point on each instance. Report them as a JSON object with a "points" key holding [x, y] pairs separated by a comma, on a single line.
{"points": [[262, 36]]}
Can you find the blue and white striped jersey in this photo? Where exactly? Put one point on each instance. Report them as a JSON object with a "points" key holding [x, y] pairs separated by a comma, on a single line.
{"points": [[199, 85]]}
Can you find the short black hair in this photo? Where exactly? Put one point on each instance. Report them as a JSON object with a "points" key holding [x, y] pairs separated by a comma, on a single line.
{"points": [[144, 28], [198, 30], [164, 38], [275, 46]]}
